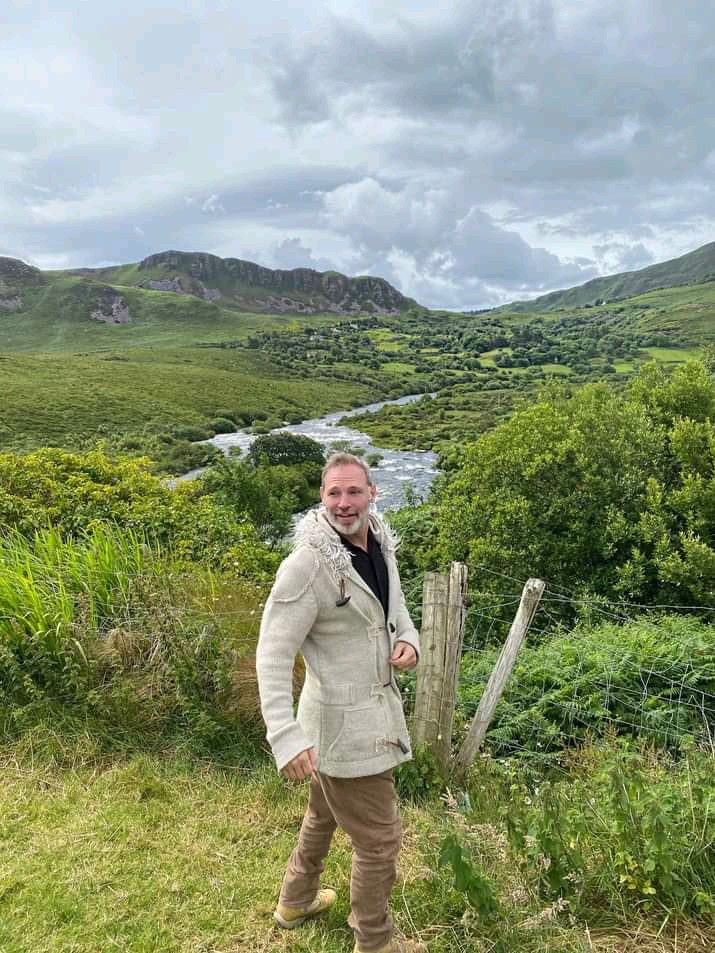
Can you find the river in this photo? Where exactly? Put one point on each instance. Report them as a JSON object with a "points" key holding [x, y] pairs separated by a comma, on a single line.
{"points": [[397, 469]]}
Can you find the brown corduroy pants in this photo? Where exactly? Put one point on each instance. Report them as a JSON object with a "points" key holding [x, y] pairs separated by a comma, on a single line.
{"points": [[366, 809]]}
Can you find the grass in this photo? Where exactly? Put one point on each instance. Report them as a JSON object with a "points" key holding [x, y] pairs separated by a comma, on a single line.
{"points": [[674, 355], [62, 398], [161, 853], [398, 367]]}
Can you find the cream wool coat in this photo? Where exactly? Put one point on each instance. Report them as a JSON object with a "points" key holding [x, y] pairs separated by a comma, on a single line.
{"points": [[350, 708]]}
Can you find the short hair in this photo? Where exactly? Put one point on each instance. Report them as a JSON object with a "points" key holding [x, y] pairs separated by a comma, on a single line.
{"points": [[342, 459]]}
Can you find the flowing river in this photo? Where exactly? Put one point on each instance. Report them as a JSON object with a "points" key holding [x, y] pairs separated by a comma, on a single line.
{"points": [[397, 470]]}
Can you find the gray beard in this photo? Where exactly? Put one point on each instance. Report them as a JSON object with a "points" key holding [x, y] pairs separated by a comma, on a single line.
{"points": [[351, 528]]}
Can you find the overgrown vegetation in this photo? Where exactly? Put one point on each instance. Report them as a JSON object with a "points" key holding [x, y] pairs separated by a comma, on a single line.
{"points": [[129, 614], [652, 679], [606, 495]]}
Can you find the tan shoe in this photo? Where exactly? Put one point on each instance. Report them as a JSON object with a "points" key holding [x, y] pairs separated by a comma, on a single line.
{"points": [[290, 917], [397, 944]]}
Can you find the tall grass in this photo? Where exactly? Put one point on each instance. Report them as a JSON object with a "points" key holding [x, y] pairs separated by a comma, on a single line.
{"points": [[54, 594], [107, 630]]}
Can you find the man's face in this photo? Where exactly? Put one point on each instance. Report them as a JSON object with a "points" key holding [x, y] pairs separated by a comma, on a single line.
{"points": [[346, 496]]}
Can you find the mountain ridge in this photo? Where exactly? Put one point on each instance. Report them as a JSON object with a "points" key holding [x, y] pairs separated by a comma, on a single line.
{"points": [[245, 285], [695, 267]]}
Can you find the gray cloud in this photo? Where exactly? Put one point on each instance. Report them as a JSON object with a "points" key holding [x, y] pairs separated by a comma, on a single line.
{"points": [[472, 153]]}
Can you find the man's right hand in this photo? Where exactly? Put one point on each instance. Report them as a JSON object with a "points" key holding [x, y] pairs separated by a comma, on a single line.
{"points": [[302, 766]]}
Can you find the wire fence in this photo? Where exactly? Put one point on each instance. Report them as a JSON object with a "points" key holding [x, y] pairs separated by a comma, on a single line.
{"points": [[567, 688], [663, 697]]}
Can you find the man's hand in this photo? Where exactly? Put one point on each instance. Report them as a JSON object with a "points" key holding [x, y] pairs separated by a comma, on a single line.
{"points": [[302, 766], [403, 656]]}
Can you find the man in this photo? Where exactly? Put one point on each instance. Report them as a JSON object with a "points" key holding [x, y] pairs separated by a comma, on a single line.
{"points": [[337, 599]]}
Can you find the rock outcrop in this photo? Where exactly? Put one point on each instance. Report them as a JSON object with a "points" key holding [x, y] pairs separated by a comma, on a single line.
{"points": [[254, 287], [111, 308], [15, 277]]}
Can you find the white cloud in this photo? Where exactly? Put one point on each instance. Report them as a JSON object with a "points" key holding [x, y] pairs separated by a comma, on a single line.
{"points": [[469, 152]]}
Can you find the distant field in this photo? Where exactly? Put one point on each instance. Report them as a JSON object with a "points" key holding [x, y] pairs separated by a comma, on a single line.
{"points": [[60, 398], [398, 367], [67, 379], [674, 355]]}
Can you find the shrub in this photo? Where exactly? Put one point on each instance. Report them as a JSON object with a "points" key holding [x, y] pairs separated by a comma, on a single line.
{"points": [[192, 432], [105, 626], [285, 448], [73, 491], [594, 491], [628, 829], [653, 678], [222, 425]]}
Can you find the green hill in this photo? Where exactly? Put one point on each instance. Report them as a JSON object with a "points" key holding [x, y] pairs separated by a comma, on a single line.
{"points": [[165, 349], [697, 267], [173, 298], [234, 283]]}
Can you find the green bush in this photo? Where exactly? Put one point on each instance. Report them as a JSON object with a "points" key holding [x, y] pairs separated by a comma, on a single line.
{"points": [[103, 625], [627, 830], [192, 432], [594, 491], [286, 449], [653, 678], [267, 495], [73, 491], [222, 425]]}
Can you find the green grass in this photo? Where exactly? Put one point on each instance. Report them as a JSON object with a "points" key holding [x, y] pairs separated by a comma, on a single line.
{"points": [[386, 340], [62, 398], [556, 369], [398, 367], [161, 853], [673, 355]]}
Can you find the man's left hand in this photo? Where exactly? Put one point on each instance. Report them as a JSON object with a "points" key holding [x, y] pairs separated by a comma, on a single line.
{"points": [[403, 656]]}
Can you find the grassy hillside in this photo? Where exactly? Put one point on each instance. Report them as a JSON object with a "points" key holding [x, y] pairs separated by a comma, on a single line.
{"points": [[56, 316], [68, 377], [67, 399], [694, 268]]}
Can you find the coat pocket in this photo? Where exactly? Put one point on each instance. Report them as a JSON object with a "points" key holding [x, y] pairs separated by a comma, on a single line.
{"points": [[362, 733]]}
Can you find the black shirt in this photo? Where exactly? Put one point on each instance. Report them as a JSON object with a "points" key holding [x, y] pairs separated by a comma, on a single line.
{"points": [[371, 567]]}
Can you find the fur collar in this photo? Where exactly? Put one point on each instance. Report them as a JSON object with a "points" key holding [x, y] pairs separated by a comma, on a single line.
{"points": [[315, 531]]}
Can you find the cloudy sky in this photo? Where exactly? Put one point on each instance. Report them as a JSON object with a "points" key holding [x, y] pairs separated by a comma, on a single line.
{"points": [[470, 152]]}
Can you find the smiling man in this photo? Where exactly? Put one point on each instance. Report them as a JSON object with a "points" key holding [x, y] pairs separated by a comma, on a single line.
{"points": [[337, 599]]}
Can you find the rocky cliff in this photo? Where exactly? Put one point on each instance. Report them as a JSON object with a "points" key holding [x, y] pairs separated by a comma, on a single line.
{"points": [[15, 277], [246, 285]]}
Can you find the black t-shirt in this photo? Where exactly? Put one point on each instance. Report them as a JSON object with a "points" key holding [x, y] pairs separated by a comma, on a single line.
{"points": [[370, 565]]}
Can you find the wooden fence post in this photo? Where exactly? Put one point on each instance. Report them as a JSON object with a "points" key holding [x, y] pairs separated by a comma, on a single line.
{"points": [[530, 598], [443, 606]]}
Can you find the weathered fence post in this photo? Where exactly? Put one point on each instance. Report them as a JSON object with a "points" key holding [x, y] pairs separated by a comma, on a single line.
{"points": [[443, 606], [530, 598]]}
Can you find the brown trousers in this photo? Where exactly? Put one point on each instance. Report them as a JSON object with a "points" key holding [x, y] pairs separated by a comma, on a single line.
{"points": [[366, 809]]}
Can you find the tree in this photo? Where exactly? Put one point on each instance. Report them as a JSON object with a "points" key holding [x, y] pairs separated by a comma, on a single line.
{"points": [[595, 491], [286, 449]]}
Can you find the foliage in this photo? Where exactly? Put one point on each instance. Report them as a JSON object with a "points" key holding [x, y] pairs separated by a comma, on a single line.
{"points": [[73, 491], [653, 678], [469, 879], [420, 778], [594, 491], [629, 829], [98, 624], [266, 495], [285, 449]]}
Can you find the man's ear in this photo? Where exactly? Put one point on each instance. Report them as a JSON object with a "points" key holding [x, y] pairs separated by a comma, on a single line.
{"points": [[373, 492]]}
